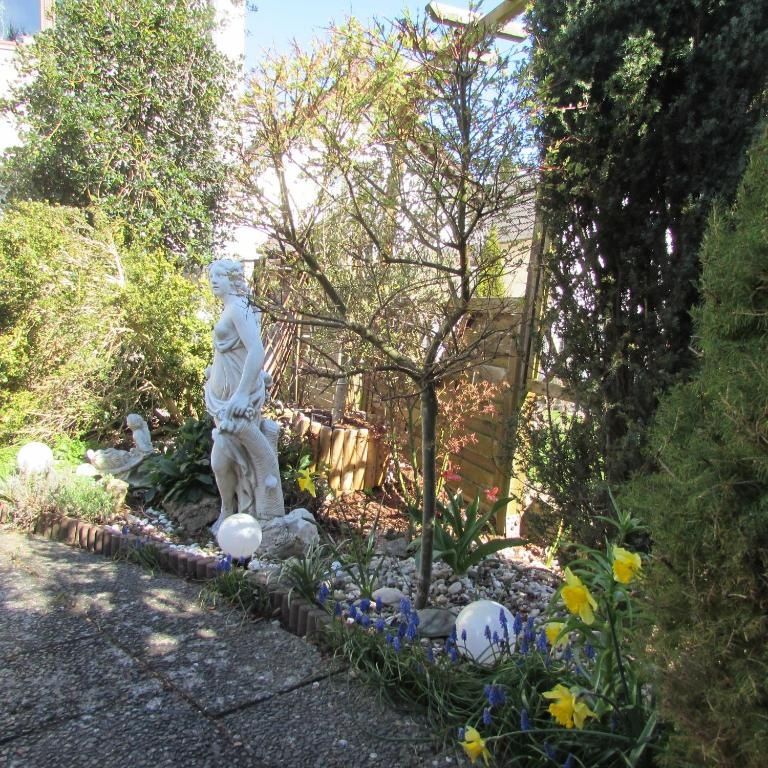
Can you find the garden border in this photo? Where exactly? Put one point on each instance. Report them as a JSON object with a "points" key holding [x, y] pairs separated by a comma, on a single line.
{"points": [[296, 614]]}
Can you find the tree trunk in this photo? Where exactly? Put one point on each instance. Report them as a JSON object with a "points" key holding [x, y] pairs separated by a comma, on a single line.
{"points": [[340, 392], [428, 467]]}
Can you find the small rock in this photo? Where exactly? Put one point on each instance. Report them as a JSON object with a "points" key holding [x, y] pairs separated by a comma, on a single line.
{"points": [[455, 588], [436, 622], [389, 595]]}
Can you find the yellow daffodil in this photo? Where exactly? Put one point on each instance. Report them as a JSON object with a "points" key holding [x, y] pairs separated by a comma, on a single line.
{"points": [[577, 598], [553, 630], [566, 708], [306, 482], [626, 565], [474, 746]]}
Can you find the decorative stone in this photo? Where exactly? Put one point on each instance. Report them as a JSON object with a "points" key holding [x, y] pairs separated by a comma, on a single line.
{"points": [[244, 455], [436, 622], [389, 595], [34, 459], [289, 536], [193, 516], [395, 547]]}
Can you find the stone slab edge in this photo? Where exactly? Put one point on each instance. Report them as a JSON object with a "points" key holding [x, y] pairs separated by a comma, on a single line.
{"points": [[295, 614]]}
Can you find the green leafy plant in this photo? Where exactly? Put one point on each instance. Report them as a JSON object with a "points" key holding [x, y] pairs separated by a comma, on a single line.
{"points": [[143, 553], [92, 329], [303, 486], [461, 533], [304, 575], [184, 472], [360, 559], [124, 103], [234, 587]]}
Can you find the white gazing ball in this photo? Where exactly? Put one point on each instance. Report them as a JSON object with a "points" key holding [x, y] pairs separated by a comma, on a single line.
{"points": [[473, 619], [239, 535], [34, 459]]}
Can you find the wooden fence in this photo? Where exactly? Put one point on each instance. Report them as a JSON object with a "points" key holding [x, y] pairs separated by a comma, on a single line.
{"points": [[352, 458]]}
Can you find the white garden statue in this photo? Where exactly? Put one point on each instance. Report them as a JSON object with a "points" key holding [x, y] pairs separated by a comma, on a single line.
{"points": [[113, 461], [244, 455]]}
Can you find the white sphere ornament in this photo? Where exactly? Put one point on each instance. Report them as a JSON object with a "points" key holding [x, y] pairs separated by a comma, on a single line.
{"points": [[239, 535], [34, 459], [476, 626]]}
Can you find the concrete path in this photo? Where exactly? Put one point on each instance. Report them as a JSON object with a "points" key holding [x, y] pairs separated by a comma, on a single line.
{"points": [[105, 664]]}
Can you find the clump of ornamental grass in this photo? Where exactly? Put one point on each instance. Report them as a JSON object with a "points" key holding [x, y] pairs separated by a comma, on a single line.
{"points": [[561, 693], [28, 499], [233, 587]]}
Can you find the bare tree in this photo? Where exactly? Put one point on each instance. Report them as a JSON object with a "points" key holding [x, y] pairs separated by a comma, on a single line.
{"points": [[376, 165]]}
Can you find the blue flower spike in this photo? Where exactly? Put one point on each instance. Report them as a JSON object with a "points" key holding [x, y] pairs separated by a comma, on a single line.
{"points": [[525, 723]]}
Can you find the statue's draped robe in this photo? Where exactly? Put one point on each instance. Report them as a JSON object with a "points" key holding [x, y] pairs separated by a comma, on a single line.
{"points": [[248, 443]]}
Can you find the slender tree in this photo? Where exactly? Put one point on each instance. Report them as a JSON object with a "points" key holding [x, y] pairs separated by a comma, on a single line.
{"points": [[412, 146]]}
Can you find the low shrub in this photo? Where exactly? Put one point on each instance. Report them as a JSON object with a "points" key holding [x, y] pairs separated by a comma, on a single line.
{"points": [[27, 500], [91, 330], [183, 471]]}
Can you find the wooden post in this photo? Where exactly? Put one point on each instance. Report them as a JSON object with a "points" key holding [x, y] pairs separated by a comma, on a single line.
{"points": [[324, 451], [302, 426], [337, 451], [347, 471], [314, 441], [359, 457], [371, 479]]}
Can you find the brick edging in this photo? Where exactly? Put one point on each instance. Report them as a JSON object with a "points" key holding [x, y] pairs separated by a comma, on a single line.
{"points": [[295, 614]]}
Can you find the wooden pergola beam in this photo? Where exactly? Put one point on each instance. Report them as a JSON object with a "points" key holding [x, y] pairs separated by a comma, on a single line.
{"points": [[498, 20]]}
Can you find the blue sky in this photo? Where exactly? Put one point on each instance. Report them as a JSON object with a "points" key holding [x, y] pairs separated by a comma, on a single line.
{"points": [[277, 22]]}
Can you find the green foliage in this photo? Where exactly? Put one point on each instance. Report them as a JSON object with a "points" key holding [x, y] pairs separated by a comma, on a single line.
{"points": [[647, 112], [554, 442], [462, 533], [123, 103], [142, 553], [183, 472], [302, 486], [708, 504], [91, 330], [30, 499], [235, 588], [358, 556], [490, 281], [304, 575], [505, 701]]}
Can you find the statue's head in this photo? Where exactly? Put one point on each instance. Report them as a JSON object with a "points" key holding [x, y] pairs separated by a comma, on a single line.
{"points": [[227, 277], [134, 421]]}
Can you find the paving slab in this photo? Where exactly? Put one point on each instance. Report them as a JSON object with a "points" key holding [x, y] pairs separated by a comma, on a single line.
{"points": [[41, 617], [160, 732], [106, 664], [70, 679], [333, 723]]}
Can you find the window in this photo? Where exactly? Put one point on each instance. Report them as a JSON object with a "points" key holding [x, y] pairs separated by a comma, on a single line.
{"points": [[22, 17]]}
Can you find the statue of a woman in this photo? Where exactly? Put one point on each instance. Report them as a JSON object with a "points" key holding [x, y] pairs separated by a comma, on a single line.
{"points": [[244, 456]]}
